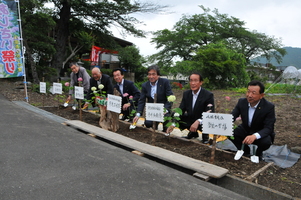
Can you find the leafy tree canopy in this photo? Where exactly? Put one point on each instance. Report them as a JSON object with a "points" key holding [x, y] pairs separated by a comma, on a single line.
{"points": [[220, 66], [132, 61], [69, 29], [191, 33]]}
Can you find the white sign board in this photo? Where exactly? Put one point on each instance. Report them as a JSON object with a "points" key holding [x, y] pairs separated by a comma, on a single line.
{"points": [[154, 112], [78, 92], [114, 103], [57, 88], [42, 87], [218, 124]]}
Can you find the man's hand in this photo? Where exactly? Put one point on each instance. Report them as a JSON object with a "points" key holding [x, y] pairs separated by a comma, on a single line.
{"points": [[249, 139], [85, 105], [194, 127], [135, 120], [126, 106], [69, 98]]}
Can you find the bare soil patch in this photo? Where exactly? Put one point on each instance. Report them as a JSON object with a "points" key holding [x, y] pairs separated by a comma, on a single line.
{"points": [[288, 131]]}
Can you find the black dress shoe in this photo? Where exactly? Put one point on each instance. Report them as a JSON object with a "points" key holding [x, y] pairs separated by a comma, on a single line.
{"points": [[205, 141], [192, 135], [205, 138], [124, 117]]}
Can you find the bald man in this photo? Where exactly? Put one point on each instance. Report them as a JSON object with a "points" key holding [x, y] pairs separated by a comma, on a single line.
{"points": [[99, 78]]}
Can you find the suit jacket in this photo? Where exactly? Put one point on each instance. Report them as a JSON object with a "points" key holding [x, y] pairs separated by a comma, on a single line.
{"points": [[263, 119], [163, 91], [107, 83], [201, 105], [131, 89]]}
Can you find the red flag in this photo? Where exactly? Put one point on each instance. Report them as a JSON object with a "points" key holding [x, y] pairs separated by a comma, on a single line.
{"points": [[95, 53], [94, 57]]}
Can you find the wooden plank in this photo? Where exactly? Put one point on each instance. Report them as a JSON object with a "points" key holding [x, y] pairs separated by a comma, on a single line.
{"points": [[163, 154], [92, 135], [138, 153], [255, 174], [201, 176]]}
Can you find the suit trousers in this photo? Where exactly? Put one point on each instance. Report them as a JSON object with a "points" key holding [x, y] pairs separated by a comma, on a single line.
{"points": [[185, 124], [263, 143]]}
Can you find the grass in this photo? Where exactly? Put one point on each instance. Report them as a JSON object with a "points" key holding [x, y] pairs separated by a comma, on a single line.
{"points": [[279, 88]]}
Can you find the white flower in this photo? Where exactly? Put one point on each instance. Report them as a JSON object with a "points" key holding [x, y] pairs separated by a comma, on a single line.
{"points": [[176, 115], [171, 98], [101, 86], [93, 88]]}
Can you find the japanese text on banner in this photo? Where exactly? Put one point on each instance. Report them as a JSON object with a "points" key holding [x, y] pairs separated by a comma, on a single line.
{"points": [[10, 45]]}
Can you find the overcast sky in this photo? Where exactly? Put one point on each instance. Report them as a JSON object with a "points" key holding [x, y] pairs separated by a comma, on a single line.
{"points": [[278, 18]]}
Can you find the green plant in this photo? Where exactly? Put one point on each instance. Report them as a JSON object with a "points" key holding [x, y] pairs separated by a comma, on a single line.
{"points": [[99, 96], [174, 116]]}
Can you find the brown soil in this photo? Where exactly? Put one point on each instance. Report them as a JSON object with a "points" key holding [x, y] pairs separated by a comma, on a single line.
{"points": [[288, 131]]}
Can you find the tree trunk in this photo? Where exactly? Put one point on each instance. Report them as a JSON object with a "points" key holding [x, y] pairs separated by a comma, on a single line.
{"points": [[61, 37], [109, 120], [33, 67]]}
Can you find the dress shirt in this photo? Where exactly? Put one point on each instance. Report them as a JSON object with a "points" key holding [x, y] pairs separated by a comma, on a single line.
{"points": [[121, 86], [195, 97], [153, 89], [251, 114]]}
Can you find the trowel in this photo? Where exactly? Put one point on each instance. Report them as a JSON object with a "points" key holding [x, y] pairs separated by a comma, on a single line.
{"points": [[66, 103], [239, 153], [133, 126], [254, 158]]}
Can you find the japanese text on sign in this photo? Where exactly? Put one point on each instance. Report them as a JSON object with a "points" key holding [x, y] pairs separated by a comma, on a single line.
{"points": [[114, 103], [42, 87], [10, 45], [57, 88], [154, 112], [78, 92], [218, 124]]}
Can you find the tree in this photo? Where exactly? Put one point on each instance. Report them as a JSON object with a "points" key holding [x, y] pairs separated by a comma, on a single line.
{"points": [[97, 15], [220, 66], [192, 32], [132, 61], [36, 38]]}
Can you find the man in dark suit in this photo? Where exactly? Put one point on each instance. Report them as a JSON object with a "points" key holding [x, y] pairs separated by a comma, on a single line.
{"points": [[129, 93], [258, 119], [98, 78], [154, 85], [194, 102]]}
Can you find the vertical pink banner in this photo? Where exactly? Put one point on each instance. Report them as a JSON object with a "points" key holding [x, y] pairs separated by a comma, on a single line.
{"points": [[10, 46]]}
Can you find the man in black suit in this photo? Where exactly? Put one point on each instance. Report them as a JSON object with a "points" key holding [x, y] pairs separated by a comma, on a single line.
{"points": [[194, 102], [98, 78], [154, 85], [129, 93], [258, 119]]}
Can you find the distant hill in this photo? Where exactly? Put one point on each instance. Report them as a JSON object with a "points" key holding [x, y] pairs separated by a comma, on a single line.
{"points": [[292, 58]]}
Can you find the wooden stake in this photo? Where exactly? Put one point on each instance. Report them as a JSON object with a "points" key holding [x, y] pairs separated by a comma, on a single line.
{"points": [[58, 97], [43, 96], [154, 125], [80, 108], [214, 138]]}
